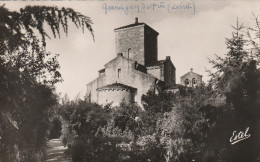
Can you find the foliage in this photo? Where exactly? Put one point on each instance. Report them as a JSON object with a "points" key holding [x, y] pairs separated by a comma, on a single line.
{"points": [[55, 129], [192, 124], [20, 45], [83, 135], [176, 124], [128, 117], [157, 103], [153, 151], [237, 77], [28, 72], [83, 118], [24, 114], [18, 28], [185, 128]]}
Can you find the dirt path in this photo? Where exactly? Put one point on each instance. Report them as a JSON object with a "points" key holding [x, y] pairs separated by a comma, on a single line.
{"points": [[55, 151]]}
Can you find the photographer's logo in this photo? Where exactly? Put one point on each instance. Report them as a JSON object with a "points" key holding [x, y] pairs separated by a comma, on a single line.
{"points": [[237, 137]]}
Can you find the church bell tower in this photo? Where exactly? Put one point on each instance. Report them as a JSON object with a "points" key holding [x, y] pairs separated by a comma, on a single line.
{"points": [[138, 42]]}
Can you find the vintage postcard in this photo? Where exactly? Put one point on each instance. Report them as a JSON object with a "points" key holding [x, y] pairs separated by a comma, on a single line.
{"points": [[151, 80]]}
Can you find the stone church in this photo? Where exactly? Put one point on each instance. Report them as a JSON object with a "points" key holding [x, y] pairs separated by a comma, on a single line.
{"points": [[191, 79], [135, 70]]}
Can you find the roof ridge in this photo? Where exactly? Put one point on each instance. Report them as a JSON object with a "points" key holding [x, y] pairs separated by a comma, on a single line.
{"points": [[191, 72], [130, 25], [115, 86], [134, 25], [119, 56]]}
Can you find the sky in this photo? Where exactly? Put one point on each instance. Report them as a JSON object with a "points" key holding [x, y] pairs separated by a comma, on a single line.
{"points": [[190, 34]]}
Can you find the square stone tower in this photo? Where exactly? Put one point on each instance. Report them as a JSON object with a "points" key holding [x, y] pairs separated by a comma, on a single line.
{"points": [[138, 42]]}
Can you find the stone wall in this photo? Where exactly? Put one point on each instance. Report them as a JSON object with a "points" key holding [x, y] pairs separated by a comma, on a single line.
{"points": [[133, 39], [164, 72], [128, 76], [151, 49], [137, 43], [190, 76], [92, 87], [169, 73], [115, 97], [156, 72]]}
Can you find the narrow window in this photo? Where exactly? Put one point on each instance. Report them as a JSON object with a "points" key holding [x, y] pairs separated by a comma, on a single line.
{"points": [[186, 82], [118, 73], [193, 81], [129, 49]]}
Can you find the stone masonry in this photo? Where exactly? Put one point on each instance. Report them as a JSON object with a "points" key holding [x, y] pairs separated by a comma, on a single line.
{"points": [[135, 70]]}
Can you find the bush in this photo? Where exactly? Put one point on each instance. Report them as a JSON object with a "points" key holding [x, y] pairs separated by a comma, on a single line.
{"points": [[55, 129]]}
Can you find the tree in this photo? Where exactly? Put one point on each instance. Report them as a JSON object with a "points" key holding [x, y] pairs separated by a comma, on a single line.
{"points": [[234, 75], [171, 126], [83, 133], [237, 78], [158, 103], [129, 117], [28, 72], [55, 128], [23, 49], [184, 129], [24, 112]]}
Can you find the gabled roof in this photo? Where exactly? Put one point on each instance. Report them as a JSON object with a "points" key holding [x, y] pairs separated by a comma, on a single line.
{"points": [[117, 57], [117, 86], [191, 72], [156, 63]]}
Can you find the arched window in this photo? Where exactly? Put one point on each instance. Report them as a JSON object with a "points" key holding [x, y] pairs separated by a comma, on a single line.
{"points": [[118, 73], [193, 81], [128, 55], [186, 82]]}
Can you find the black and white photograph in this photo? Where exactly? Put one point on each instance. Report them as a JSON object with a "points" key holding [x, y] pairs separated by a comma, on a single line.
{"points": [[130, 81]]}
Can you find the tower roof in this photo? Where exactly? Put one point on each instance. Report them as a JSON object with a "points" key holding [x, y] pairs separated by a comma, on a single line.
{"points": [[136, 24], [130, 25]]}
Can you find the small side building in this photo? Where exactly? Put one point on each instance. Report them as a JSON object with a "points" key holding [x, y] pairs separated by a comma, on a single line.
{"points": [[163, 70], [191, 79]]}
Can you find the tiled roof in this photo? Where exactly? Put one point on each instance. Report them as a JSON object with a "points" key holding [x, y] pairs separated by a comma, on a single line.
{"points": [[140, 67], [131, 25], [156, 63], [117, 86]]}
